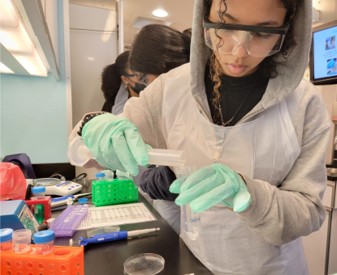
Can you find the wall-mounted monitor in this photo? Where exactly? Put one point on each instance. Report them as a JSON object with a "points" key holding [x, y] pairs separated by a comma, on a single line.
{"points": [[323, 54]]}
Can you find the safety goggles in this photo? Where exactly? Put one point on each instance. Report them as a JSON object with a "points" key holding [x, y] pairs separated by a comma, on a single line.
{"points": [[141, 78], [259, 41]]}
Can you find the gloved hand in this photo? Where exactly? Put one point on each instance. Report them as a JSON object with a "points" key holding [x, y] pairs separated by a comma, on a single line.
{"points": [[115, 143], [211, 185]]}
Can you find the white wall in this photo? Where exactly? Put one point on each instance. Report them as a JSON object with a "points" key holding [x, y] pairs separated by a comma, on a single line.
{"points": [[93, 45], [326, 8], [34, 117]]}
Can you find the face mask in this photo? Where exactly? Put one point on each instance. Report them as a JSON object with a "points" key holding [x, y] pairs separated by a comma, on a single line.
{"points": [[138, 87]]}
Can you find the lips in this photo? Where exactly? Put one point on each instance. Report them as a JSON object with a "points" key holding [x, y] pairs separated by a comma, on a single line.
{"points": [[236, 68]]}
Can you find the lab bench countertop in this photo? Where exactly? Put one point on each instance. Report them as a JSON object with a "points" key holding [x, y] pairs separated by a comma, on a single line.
{"points": [[108, 258]]}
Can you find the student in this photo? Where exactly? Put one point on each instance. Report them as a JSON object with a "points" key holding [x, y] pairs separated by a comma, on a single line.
{"points": [[117, 85], [254, 134], [147, 61], [155, 50], [114, 86]]}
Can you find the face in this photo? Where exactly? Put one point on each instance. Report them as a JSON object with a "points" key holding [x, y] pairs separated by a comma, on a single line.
{"points": [[136, 82], [241, 59]]}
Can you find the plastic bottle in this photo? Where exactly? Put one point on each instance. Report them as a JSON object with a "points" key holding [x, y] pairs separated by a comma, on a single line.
{"points": [[38, 194], [6, 239], [44, 241]]}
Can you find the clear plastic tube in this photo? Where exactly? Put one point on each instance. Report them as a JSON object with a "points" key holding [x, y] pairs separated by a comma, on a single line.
{"points": [[39, 194], [190, 219], [100, 176], [21, 240], [176, 159], [166, 157]]}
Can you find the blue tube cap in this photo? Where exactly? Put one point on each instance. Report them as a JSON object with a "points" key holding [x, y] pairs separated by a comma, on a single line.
{"points": [[100, 175], [5, 234], [83, 200], [44, 236], [38, 189]]}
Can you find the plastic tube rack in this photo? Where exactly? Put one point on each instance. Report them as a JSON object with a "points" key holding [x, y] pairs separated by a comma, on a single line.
{"points": [[65, 260], [108, 192]]}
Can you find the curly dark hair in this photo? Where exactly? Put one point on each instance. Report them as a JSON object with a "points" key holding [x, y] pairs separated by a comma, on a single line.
{"points": [[269, 64]]}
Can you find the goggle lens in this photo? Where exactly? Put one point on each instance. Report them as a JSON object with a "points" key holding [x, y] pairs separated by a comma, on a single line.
{"points": [[256, 44], [258, 41]]}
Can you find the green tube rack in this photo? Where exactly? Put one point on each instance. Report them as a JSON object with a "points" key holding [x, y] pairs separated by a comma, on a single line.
{"points": [[113, 191]]}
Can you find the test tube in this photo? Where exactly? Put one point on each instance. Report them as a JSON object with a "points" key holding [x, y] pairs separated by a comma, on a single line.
{"points": [[100, 176], [6, 239], [44, 241], [38, 193], [166, 157], [21, 240]]}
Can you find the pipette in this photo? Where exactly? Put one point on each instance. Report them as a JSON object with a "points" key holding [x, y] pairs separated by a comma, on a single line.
{"points": [[115, 236], [59, 201]]}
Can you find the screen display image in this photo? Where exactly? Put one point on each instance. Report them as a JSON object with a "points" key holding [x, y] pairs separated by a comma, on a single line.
{"points": [[324, 54]]}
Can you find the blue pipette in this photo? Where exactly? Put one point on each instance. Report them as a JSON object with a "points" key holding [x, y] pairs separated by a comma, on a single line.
{"points": [[115, 236]]}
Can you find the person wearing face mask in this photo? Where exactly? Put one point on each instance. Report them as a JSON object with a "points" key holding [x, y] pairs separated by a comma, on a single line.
{"points": [[135, 69], [155, 50], [113, 86], [253, 131]]}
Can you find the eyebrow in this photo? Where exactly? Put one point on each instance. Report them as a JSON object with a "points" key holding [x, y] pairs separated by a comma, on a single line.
{"points": [[266, 23]]}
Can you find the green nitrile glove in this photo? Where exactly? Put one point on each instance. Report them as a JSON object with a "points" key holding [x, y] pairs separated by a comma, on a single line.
{"points": [[115, 143], [212, 185]]}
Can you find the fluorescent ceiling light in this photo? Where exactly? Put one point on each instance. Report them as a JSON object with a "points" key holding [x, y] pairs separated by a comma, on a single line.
{"points": [[5, 69], [14, 37], [160, 13]]}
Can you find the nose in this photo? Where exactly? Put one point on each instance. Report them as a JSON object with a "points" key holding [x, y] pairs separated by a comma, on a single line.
{"points": [[240, 50]]}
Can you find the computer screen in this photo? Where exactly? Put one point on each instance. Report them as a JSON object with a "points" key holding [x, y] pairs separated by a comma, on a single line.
{"points": [[323, 54]]}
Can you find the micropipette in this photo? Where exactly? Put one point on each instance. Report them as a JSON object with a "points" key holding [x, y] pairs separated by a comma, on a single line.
{"points": [[115, 236], [59, 201]]}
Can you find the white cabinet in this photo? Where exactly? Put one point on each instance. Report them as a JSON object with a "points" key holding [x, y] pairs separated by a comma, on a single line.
{"points": [[321, 246]]}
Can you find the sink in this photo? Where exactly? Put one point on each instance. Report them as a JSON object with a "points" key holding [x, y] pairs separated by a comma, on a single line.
{"points": [[331, 172]]}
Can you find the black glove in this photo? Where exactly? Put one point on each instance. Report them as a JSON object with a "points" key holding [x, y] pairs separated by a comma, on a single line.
{"points": [[156, 182]]}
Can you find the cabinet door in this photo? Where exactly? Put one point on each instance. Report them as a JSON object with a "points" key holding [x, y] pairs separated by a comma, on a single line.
{"points": [[315, 249]]}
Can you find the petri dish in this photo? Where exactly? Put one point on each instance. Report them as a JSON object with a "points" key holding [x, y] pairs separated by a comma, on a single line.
{"points": [[144, 264]]}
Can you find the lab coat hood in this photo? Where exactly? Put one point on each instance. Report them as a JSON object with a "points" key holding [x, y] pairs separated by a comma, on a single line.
{"points": [[290, 71]]}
